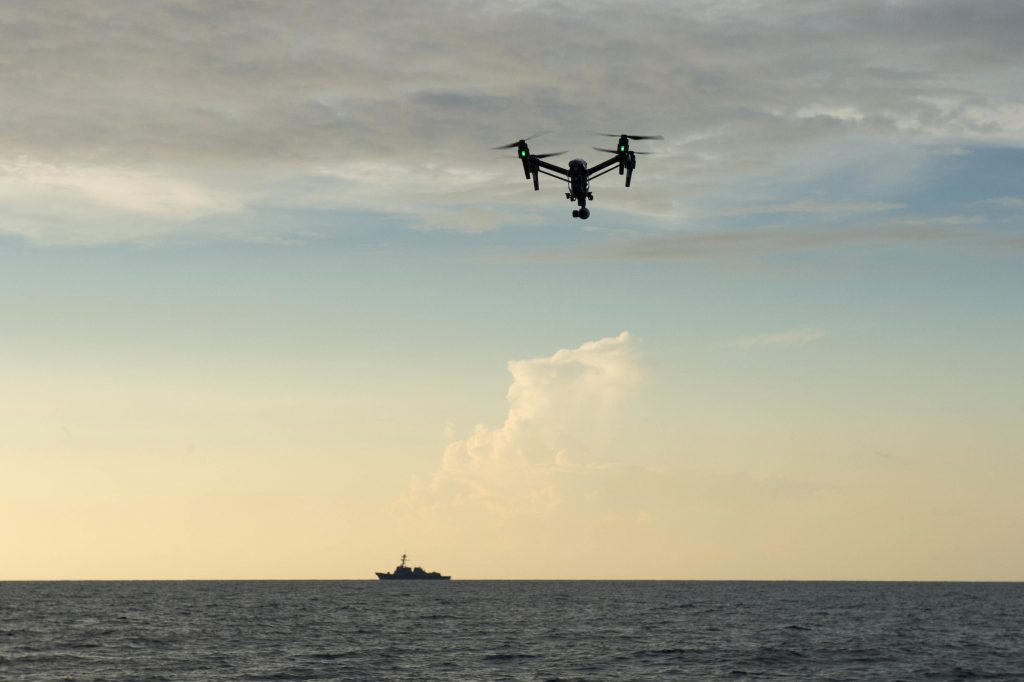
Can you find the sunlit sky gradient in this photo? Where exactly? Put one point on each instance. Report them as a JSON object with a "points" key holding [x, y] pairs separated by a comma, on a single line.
{"points": [[271, 307]]}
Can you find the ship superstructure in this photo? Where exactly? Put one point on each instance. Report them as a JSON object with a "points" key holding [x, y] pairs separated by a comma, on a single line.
{"points": [[403, 572]]}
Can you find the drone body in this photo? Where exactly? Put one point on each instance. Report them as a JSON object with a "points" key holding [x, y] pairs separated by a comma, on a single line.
{"points": [[578, 175]]}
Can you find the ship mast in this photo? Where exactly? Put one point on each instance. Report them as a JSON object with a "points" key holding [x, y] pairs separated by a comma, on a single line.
{"points": [[403, 561]]}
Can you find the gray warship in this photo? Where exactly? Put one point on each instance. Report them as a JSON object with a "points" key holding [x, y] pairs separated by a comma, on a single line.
{"points": [[403, 572]]}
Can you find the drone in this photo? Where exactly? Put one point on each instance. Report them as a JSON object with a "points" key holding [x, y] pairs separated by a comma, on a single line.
{"points": [[577, 175]]}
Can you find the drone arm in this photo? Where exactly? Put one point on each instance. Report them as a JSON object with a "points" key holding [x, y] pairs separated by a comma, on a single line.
{"points": [[606, 170], [550, 167], [556, 177], [615, 160]]}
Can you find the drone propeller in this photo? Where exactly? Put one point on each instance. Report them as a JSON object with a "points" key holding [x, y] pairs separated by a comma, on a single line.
{"points": [[544, 156], [633, 137], [615, 151], [519, 142]]}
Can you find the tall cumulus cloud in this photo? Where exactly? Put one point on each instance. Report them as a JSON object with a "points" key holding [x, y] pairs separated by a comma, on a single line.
{"points": [[558, 408]]}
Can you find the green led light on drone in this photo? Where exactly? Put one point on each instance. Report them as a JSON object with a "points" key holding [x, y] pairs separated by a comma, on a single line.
{"points": [[622, 147], [522, 153]]}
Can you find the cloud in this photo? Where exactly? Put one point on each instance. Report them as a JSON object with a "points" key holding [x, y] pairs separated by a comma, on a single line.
{"points": [[792, 337], [810, 206], [556, 406], [123, 189], [205, 105], [68, 203], [471, 220], [1007, 202]]}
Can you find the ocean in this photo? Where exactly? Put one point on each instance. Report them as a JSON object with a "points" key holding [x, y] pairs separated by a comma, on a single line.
{"points": [[510, 630]]}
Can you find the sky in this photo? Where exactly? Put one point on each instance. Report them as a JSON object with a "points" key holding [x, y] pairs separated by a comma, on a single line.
{"points": [[272, 306]]}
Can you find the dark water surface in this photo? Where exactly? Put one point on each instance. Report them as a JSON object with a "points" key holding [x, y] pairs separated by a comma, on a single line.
{"points": [[356, 630]]}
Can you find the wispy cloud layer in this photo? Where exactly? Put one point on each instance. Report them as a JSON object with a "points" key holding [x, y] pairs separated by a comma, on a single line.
{"points": [[812, 207], [747, 241]]}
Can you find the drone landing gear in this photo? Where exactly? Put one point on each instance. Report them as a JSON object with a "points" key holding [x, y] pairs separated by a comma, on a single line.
{"points": [[583, 213]]}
